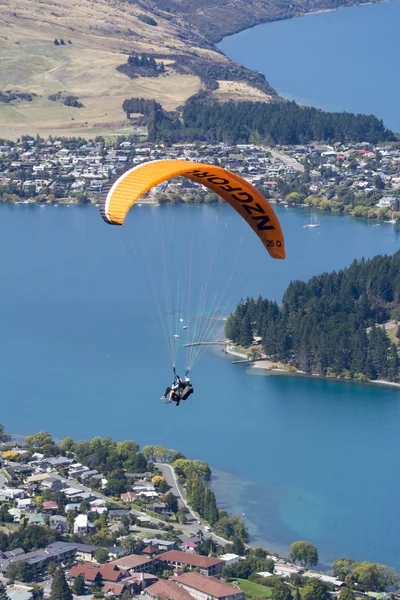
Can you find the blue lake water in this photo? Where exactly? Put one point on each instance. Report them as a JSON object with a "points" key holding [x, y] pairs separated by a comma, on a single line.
{"points": [[82, 353], [341, 60]]}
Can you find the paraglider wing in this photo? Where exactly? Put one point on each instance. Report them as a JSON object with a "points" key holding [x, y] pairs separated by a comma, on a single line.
{"points": [[239, 193]]}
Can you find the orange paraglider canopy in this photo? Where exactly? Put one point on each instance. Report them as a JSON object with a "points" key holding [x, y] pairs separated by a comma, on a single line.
{"points": [[239, 193]]}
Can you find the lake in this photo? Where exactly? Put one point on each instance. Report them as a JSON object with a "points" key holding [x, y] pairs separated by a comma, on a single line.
{"points": [[343, 60], [82, 353]]}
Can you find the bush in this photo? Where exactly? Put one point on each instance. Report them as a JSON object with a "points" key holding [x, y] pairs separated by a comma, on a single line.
{"points": [[148, 20]]}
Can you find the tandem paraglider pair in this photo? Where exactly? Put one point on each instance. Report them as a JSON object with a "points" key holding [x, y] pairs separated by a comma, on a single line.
{"points": [[119, 196], [180, 390]]}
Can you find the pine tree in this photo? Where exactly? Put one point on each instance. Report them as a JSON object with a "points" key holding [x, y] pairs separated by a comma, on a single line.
{"points": [[394, 363], [59, 588], [79, 586], [246, 332]]}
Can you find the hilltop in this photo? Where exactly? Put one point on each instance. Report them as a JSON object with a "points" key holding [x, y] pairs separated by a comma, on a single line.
{"points": [[73, 48]]}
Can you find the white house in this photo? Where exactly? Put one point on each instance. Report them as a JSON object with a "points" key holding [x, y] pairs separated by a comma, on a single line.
{"points": [[386, 202], [81, 525]]}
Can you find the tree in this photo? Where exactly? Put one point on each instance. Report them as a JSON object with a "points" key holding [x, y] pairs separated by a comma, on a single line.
{"points": [[78, 586], [281, 591], [42, 438], [4, 437], [246, 332], [19, 571], [172, 502], [59, 588], [304, 553], [343, 567], [315, 590], [101, 555], [3, 592], [346, 594], [374, 576]]}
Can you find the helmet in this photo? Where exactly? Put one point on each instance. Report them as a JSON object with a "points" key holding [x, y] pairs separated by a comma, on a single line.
{"points": [[187, 380]]}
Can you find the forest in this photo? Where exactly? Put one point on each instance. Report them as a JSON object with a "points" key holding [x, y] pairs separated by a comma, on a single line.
{"points": [[256, 122], [333, 325]]}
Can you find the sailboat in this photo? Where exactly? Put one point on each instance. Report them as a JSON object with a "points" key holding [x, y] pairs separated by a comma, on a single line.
{"points": [[391, 221], [313, 222]]}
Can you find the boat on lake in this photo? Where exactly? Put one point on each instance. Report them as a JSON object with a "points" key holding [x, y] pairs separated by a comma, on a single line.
{"points": [[313, 222]]}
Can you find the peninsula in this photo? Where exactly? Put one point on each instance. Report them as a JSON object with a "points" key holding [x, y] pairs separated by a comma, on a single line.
{"points": [[340, 325]]}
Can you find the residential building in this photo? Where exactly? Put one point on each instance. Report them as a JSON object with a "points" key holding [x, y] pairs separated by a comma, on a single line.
{"points": [[207, 566], [134, 563], [206, 588], [81, 525], [166, 590]]}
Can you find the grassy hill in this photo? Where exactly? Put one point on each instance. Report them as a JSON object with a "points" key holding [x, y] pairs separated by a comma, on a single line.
{"points": [[102, 33]]}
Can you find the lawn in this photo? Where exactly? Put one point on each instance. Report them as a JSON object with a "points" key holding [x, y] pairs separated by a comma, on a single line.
{"points": [[254, 590]]}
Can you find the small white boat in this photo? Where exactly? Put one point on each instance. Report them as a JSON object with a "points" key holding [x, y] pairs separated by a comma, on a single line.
{"points": [[313, 222], [377, 225], [391, 221], [243, 514], [97, 204], [139, 205]]}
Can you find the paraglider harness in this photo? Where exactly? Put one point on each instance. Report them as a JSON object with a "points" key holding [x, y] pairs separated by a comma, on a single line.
{"points": [[184, 389]]}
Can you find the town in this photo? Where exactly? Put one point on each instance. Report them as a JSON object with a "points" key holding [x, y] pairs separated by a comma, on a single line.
{"points": [[102, 519], [356, 179]]}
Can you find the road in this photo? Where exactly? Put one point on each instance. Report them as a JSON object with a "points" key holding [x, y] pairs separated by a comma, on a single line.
{"points": [[287, 160], [193, 523]]}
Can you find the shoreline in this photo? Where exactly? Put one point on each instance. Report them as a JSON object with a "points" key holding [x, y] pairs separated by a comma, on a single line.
{"points": [[274, 368], [153, 202]]}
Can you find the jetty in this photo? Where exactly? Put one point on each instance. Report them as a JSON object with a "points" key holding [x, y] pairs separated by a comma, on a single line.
{"points": [[218, 342]]}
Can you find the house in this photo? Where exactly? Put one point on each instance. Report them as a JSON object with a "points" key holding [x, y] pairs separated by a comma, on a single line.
{"points": [[81, 525], [189, 546], [36, 519], [92, 573], [50, 506], [286, 570], [116, 552], [386, 202], [149, 551], [134, 563], [230, 559], [128, 497], [118, 513], [207, 566], [166, 590], [25, 504], [114, 589], [160, 544], [159, 507], [325, 578], [59, 524], [72, 506], [52, 483], [206, 588], [85, 552]]}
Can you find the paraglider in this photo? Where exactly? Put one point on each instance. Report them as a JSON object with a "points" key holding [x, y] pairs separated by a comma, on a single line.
{"points": [[180, 390], [118, 198], [247, 200]]}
